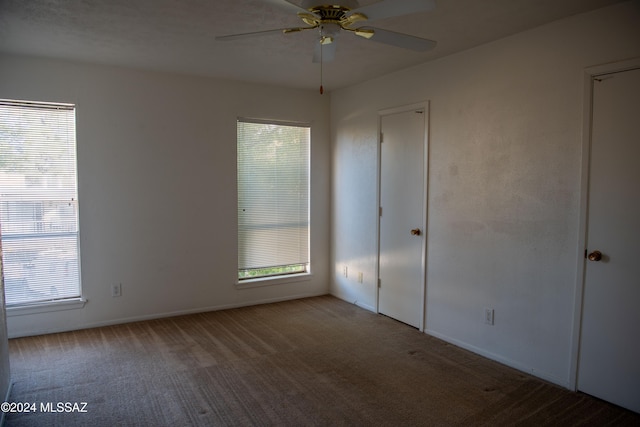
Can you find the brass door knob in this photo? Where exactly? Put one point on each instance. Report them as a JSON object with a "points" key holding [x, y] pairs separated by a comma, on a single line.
{"points": [[595, 256], [416, 232]]}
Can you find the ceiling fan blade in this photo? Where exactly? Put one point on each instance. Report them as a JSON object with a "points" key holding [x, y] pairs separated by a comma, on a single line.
{"points": [[232, 37], [328, 52], [391, 8], [398, 39]]}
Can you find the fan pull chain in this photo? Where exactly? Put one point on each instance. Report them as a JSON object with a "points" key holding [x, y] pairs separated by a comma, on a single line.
{"points": [[321, 61]]}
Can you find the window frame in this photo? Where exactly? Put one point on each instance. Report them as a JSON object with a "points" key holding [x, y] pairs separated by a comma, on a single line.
{"points": [[65, 302], [282, 278]]}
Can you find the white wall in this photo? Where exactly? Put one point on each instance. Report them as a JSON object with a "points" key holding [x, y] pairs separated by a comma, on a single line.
{"points": [[504, 185], [157, 187]]}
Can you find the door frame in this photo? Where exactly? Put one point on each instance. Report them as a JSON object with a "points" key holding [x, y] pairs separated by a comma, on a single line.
{"points": [[589, 75], [424, 105]]}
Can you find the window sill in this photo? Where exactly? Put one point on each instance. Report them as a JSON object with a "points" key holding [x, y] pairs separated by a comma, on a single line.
{"points": [[45, 307], [275, 280]]}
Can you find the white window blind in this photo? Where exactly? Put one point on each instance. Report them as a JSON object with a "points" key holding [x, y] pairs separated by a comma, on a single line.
{"points": [[273, 198], [38, 202]]}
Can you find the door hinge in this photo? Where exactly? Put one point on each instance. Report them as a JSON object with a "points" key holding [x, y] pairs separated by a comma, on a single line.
{"points": [[380, 211], [379, 282], [419, 111], [381, 137]]}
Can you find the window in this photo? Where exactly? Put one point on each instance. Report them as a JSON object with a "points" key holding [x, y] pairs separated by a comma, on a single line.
{"points": [[273, 198], [38, 202]]}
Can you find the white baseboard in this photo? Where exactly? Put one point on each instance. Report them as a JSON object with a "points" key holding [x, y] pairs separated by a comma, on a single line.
{"points": [[168, 314], [365, 306], [505, 361], [356, 302]]}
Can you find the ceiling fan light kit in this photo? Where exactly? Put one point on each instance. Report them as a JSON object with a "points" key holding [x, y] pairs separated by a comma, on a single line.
{"points": [[331, 19]]}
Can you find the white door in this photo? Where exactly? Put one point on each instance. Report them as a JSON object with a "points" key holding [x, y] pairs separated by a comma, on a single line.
{"points": [[609, 364], [402, 216]]}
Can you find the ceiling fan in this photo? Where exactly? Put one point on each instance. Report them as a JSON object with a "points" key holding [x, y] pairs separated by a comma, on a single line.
{"points": [[347, 15]]}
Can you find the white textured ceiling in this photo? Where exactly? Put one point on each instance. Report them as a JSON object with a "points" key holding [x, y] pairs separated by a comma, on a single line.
{"points": [[178, 35]]}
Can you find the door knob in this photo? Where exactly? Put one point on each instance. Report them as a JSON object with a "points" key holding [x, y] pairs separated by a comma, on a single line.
{"points": [[595, 256], [416, 232]]}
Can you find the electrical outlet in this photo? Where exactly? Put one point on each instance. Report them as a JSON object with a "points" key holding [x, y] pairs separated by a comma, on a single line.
{"points": [[116, 290], [488, 316], [345, 271], [360, 277]]}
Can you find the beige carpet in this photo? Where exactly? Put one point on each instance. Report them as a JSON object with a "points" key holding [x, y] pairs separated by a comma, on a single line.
{"points": [[316, 361]]}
